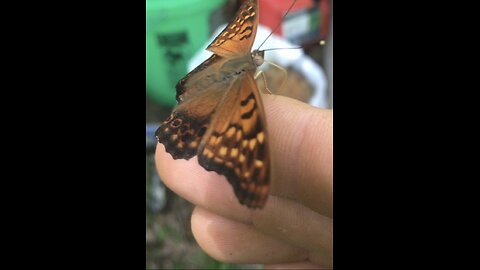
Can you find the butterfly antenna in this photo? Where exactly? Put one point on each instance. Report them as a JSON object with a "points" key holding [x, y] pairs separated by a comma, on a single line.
{"points": [[320, 43], [272, 49], [278, 25]]}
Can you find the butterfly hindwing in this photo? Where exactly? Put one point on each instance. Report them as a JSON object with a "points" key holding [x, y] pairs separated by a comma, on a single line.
{"points": [[236, 144], [181, 134], [198, 95], [211, 65]]}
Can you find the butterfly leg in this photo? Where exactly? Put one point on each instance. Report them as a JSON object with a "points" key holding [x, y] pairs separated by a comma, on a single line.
{"points": [[281, 69], [264, 80]]}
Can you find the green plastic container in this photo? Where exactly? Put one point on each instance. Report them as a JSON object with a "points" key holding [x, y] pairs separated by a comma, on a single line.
{"points": [[176, 29]]}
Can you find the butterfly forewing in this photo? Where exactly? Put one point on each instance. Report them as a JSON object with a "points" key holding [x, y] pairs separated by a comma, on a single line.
{"points": [[237, 38]]}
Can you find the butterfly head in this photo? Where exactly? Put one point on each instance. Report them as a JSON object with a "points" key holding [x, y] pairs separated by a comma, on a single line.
{"points": [[258, 57]]}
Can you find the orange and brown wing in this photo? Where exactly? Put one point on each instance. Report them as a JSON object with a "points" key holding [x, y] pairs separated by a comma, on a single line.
{"points": [[236, 145], [198, 95], [237, 38]]}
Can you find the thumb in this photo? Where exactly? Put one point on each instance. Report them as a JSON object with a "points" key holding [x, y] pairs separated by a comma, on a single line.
{"points": [[301, 147]]}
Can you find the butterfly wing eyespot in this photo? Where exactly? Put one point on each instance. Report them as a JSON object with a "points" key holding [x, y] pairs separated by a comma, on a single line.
{"points": [[181, 135]]}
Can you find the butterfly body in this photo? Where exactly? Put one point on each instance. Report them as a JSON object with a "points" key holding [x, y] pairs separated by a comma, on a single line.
{"points": [[219, 115], [226, 74]]}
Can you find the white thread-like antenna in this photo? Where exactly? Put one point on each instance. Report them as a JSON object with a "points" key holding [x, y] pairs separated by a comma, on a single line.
{"points": [[273, 49]]}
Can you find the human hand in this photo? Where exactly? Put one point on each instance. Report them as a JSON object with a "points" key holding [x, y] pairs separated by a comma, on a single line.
{"points": [[294, 229]]}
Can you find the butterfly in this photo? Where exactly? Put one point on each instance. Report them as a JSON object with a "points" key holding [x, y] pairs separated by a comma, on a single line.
{"points": [[219, 115]]}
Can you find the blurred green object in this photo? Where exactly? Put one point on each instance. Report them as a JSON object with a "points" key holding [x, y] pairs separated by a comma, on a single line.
{"points": [[175, 31]]}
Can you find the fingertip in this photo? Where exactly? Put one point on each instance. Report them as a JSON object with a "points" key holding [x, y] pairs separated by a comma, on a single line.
{"points": [[201, 187], [230, 241]]}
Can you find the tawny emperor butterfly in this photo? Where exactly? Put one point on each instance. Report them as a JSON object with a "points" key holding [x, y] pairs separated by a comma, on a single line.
{"points": [[219, 114]]}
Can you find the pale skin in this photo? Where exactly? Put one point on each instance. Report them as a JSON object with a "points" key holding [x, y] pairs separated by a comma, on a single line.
{"points": [[294, 229]]}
